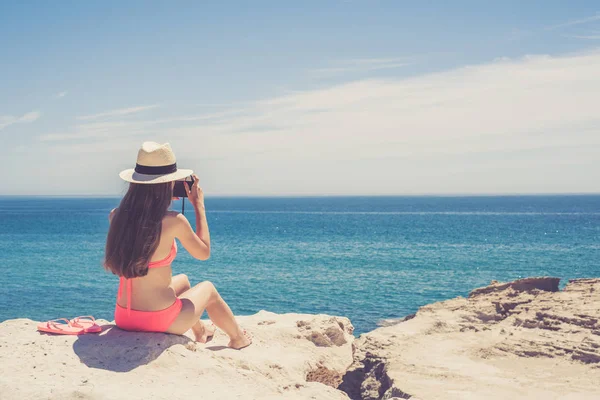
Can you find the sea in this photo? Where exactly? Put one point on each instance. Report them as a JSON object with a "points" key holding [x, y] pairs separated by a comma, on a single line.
{"points": [[368, 258]]}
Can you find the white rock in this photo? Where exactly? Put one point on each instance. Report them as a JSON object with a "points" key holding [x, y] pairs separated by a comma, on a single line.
{"points": [[125, 365]]}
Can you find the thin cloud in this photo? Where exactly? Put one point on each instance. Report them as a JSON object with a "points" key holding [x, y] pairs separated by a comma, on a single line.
{"points": [[526, 125], [8, 120], [576, 22], [61, 94], [222, 105], [374, 61], [358, 68], [119, 128], [584, 37], [471, 129], [119, 112], [361, 65]]}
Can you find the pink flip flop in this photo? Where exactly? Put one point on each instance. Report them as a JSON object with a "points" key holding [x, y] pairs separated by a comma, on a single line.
{"points": [[58, 327], [88, 323]]}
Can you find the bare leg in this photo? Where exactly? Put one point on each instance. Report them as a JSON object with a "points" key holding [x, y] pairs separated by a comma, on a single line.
{"points": [[203, 332], [180, 284], [205, 296]]}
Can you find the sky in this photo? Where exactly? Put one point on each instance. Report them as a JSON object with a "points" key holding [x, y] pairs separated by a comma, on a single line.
{"points": [[281, 98]]}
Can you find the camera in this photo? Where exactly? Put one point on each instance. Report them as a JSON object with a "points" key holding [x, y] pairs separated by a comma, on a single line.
{"points": [[179, 189]]}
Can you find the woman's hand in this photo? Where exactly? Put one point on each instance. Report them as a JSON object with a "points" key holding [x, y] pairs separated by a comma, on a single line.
{"points": [[195, 194]]}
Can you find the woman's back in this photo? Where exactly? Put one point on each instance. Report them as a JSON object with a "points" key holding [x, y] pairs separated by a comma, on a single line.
{"points": [[153, 292]]}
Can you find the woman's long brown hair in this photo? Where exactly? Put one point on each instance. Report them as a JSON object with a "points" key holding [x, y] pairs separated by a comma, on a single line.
{"points": [[135, 229]]}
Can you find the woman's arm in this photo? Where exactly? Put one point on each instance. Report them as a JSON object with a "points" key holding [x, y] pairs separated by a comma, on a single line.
{"points": [[202, 225], [196, 243]]}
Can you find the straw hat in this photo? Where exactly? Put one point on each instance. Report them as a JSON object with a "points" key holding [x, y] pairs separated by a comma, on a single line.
{"points": [[155, 164]]}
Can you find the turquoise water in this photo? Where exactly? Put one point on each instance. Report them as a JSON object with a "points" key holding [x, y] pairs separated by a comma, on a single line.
{"points": [[368, 258]]}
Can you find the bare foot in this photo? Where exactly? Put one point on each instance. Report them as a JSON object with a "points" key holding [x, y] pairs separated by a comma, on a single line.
{"points": [[204, 332], [240, 342]]}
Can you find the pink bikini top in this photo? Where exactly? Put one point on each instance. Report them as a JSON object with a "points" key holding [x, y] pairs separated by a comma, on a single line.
{"points": [[154, 264], [167, 260]]}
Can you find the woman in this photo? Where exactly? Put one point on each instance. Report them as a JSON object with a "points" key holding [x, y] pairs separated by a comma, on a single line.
{"points": [[141, 246]]}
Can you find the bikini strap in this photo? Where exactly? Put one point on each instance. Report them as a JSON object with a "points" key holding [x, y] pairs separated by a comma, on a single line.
{"points": [[120, 292], [128, 297]]}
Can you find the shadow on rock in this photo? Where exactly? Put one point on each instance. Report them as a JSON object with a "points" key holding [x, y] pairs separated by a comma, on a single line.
{"points": [[117, 350], [218, 348]]}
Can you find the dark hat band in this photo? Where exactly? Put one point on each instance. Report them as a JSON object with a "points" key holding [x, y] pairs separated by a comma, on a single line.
{"points": [[162, 170]]}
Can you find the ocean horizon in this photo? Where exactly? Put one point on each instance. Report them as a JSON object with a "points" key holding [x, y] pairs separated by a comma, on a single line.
{"points": [[306, 196], [369, 258]]}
